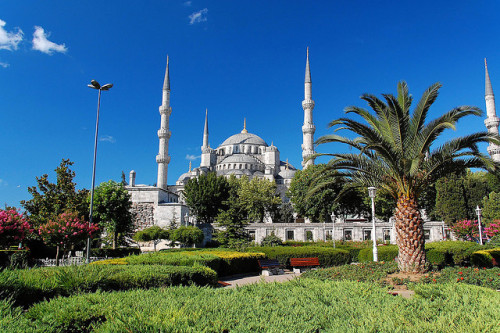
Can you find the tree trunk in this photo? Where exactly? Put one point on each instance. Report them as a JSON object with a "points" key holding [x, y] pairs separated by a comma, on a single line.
{"points": [[57, 255], [410, 236]]}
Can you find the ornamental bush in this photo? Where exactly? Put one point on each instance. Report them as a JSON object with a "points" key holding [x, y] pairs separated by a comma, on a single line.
{"points": [[385, 253], [451, 253], [26, 287], [271, 240], [486, 258], [327, 256], [14, 227]]}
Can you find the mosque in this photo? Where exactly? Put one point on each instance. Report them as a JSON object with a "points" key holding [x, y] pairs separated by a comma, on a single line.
{"points": [[246, 154]]}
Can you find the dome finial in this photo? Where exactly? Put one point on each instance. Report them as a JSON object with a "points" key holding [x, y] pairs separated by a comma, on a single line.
{"points": [[244, 126]]}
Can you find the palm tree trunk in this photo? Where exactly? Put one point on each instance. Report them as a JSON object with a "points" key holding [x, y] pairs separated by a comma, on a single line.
{"points": [[410, 236]]}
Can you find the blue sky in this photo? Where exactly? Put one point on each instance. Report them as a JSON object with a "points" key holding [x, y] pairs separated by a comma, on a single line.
{"points": [[236, 58]]}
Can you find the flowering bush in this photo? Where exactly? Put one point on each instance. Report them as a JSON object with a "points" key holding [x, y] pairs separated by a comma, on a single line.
{"points": [[13, 227], [493, 229], [67, 229], [466, 230]]}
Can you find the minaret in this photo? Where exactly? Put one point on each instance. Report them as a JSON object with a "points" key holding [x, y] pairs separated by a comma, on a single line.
{"points": [[308, 128], [205, 132], [208, 156], [492, 120], [164, 134]]}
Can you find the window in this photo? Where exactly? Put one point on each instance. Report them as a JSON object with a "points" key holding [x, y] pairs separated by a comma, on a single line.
{"points": [[269, 231], [347, 235], [427, 234], [367, 234], [251, 234], [309, 235], [328, 234], [289, 235], [387, 234]]}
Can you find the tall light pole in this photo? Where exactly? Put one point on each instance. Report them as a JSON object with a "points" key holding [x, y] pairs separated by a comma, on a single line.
{"points": [[478, 212], [95, 85], [372, 191], [333, 228]]}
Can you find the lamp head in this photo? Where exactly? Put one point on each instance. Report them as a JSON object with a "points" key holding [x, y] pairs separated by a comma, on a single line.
{"points": [[107, 86], [94, 85], [372, 191], [478, 211]]}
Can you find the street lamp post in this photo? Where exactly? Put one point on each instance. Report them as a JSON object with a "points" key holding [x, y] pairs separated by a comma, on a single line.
{"points": [[95, 85], [372, 191], [333, 228], [478, 212]]}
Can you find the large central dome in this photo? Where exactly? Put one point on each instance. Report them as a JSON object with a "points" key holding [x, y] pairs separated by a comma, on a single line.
{"points": [[244, 138]]}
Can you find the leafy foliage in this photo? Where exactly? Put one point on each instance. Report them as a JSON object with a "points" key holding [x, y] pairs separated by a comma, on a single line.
{"points": [[206, 195], [154, 234], [271, 240], [187, 236], [14, 227], [257, 197], [466, 230], [491, 207], [52, 199], [112, 210]]}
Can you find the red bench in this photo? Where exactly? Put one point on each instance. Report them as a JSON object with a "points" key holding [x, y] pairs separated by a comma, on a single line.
{"points": [[303, 263]]}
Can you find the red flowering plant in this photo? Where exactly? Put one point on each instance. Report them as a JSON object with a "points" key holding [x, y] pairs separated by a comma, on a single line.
{"points": [[66, 230], [467, 230], [493, 229], [14, 227]]}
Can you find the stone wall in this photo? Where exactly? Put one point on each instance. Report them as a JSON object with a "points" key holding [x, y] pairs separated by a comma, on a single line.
{"points": [[143, 215]]}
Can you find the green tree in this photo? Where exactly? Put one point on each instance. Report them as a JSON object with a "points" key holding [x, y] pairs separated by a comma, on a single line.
{"points": [[258, 197], [319, 204], [205, 196], [491, 207], [112, 206], [393, 153], [52, 199], [187, 236], [153, 234]]}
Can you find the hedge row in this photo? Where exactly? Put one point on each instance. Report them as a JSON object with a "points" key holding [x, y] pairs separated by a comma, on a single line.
{"points": [[299, 306], [486, 258], [327, 256], [451, 253], [26, 287], [115, 253], [385, 253], [223, 262]]}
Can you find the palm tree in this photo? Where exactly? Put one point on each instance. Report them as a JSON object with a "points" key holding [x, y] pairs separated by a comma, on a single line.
{"points": [[395, 153]]}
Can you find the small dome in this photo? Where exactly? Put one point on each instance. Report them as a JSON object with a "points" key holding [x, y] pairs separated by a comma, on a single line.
{"points": [[184, 177], [242, 138]]}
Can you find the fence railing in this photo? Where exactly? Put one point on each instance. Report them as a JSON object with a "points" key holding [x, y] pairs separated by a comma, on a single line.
{"points": [[67, 261]]}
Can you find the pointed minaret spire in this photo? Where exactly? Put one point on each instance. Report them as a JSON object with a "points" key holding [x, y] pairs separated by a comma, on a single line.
{"points": [[190, 165], [492, 120], [308, 128], [244, 130], [164, 134], [205, 132]]}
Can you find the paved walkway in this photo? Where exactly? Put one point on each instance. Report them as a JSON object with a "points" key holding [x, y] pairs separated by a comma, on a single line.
{"points": [[243, 279]]}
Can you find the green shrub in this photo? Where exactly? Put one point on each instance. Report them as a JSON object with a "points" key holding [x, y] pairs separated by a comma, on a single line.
{"points": [[119, 252], [451, 253], [31, 286], [306, 305], [327, 256], [488, 278], [224, 262], [187, 235], [363, 272], [271, 240], [385, 253], [486, 258]]}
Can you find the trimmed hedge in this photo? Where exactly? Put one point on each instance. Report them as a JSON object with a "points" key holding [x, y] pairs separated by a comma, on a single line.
{"points": [[451, 253], [327, 256], [223, 262], [26, 287], [119, 252], [385, 253], [305, 305], [486, 258]]}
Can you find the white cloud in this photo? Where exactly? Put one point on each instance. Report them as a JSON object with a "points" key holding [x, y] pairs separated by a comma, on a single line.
{"points": [[192, 157], [197, 17], [4, 64], [188, 3], [3, 182], [107, 138], [9, 40], [42, 44]]}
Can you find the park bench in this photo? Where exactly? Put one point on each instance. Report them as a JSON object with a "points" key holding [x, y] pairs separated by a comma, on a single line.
{"points": [[303, 263], [270, 267]]}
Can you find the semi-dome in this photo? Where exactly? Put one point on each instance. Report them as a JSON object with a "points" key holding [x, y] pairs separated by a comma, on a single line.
{"points": [[244, 138]]}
